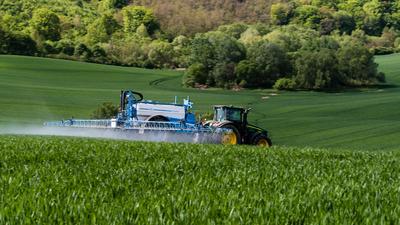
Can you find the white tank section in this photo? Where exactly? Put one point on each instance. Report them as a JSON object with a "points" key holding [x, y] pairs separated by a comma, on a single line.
{"points": [[113, 123], [147, 109]]}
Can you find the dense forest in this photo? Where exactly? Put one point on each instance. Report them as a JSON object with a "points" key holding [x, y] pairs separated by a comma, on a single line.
{"points": [[297, 44]]}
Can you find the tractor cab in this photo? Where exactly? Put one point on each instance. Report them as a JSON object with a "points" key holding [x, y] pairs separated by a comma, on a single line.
{"points": [[229, 113], [235, 119]]}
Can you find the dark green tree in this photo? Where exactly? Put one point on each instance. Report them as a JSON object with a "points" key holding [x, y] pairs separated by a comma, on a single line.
{"points": [[18, 44], [356, 66], [345, 22], [195, 74], [270, 61], [214, 48], [224, 75], [316, 69], [246, 70]]}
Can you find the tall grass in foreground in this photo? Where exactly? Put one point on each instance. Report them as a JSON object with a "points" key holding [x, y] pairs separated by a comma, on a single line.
{"points": [[47, 180]]}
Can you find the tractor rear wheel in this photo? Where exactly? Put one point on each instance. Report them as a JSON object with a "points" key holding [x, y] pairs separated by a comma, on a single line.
{"points": [[262, 141], [231, 138]]}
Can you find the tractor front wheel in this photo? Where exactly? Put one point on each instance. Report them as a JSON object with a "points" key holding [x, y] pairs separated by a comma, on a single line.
{"points": [[232, 137], [262, 141]]}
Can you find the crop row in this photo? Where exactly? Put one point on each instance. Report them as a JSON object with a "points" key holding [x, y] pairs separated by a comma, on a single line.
{"points": [[47, 180]]}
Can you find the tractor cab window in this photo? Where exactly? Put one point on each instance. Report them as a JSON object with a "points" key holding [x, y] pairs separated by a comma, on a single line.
{"points": [[222, 114], [234, 115], [219, 114]]}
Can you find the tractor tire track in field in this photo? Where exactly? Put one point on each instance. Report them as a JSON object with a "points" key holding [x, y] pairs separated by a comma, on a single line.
{"points": [[157, 82]]}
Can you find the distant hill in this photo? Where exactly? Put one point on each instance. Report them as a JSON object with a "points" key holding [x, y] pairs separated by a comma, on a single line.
{"points": [[176, 16], [193, 16], [223, 43]]}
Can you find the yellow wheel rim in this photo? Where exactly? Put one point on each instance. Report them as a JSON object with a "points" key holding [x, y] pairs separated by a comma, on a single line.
{"points": [[229, 139], [263, 143]]}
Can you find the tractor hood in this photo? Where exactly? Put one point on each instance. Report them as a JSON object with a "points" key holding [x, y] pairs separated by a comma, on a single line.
{"points": [[254, 128]]}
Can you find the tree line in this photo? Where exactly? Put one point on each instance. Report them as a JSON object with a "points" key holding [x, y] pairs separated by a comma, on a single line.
{"points": [[286, 58], [312, 44]]}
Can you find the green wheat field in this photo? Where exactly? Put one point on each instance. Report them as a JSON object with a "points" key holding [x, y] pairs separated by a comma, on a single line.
{"points": [[335, 159]]}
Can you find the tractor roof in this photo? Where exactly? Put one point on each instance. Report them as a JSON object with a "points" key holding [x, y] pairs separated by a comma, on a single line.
{"points": [[228, 106]]}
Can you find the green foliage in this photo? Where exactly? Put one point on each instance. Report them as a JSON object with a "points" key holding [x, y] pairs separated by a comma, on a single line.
{"points": [[105, 111], [308, 15], [281, 13], [161, 54], [142, 31], [49, 48], [48, 180], [223, 75], [225, 48], [233, 30], [345, 22], [112, 4], [132, 51], [82, 50], [291, 38], [323, 42], [98, 54], [16, 43], [134, 16], [181, 45], [46, 24], [373, 25], [317, 70], [270, 61], [250, 36], [217, 52], [356, 65], [196, 74], [246, 70], [145, 33], [285, 84], [66, 47], [101, 30]]}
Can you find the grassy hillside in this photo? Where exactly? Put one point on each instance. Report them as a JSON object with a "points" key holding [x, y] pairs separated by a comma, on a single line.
{"points": [[79, 181], [33, 90]]}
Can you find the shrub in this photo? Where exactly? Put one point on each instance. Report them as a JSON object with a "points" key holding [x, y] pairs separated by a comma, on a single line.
{"points": [[21, 44], [105, 111], [383, 50], [49, 47], [66, 47], [285, 84], [195, 74]]}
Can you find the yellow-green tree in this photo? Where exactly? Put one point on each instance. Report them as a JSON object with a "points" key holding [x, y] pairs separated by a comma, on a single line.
{"points": [[46, 24], [134, 16]]}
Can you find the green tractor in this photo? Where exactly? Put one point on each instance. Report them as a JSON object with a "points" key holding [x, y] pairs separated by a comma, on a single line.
{"points": [[235, 118]]}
